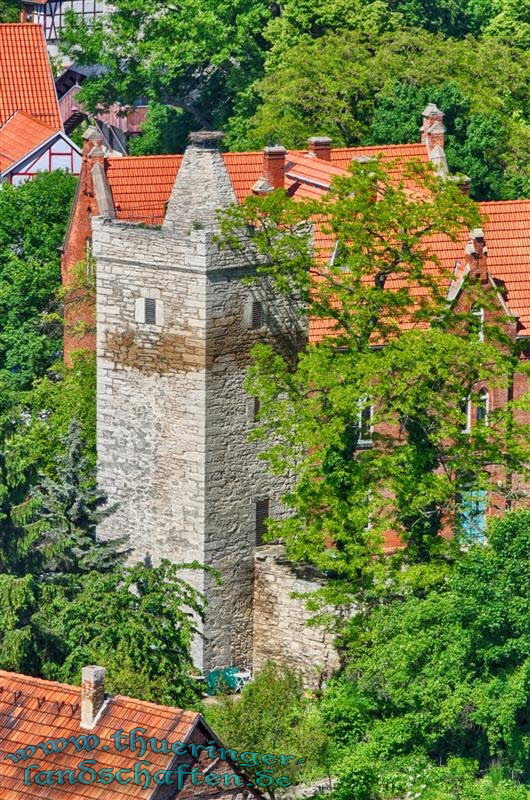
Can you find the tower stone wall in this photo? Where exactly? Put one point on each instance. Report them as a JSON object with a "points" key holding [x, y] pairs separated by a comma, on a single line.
{"points": [[173, 416]]}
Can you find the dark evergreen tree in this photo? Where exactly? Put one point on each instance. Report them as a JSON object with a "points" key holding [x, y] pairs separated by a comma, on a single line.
{"points": [[61, 516]]}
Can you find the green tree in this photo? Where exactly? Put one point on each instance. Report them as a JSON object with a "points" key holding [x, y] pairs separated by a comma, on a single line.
{"points": [[33, 220], [61, 516], [511, 23], [196, 57], [482, 86], [138, 622], [274, 715], [9, 10], [448, 673], [410, 475]]}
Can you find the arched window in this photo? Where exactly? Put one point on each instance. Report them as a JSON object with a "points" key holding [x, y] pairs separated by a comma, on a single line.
{"points": [[482, 407]]}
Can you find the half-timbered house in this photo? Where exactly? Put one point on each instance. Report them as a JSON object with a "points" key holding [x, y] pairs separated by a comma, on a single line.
{"points": [[51, 14], [32, 136]]}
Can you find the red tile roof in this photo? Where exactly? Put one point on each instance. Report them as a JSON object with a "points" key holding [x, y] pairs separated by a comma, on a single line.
{"points": [[141, 187], [19, 136], [26, 80], [506, 226], [33, 710]]}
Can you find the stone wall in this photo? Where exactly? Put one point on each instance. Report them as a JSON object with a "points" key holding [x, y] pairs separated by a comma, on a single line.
{"points": [[280, 630], [173, 416]]}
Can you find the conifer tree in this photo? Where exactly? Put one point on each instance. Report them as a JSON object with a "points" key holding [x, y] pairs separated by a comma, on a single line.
{"points": [[62, 515]]}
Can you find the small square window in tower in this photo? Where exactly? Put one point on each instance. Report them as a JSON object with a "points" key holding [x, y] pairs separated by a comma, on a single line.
{"points": [[262, 513], [150, 311], [257, 316]]}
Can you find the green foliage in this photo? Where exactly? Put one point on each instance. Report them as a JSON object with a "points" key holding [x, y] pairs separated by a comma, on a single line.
{"points": [[61, 515], [33, 219], [9, 10], [197, 59], [164, 131], [136, 621], [449, 672], [273, 715], [309, 409]]}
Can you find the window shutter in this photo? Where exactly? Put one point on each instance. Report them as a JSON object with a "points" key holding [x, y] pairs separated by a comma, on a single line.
{"points": [[262, 512], [150, 311], [257, 314]]}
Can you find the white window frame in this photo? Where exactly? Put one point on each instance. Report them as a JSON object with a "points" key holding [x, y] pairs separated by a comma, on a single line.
{"points": [[479, 312], [483, 393], [362, 408]]}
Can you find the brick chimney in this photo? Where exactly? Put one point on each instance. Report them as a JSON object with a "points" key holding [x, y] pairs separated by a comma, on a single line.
{"points": [[433, 129], [477, 255], [92, 694], [274, 166], [320, 146]]}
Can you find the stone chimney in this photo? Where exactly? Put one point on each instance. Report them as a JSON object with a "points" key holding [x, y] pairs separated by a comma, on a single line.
{"points": [[320, 146], [92, 694], [202, 186], [274, 166], [477, 255], [433, 129]]}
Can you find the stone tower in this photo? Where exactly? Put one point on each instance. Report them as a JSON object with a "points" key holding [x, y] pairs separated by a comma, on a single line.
{"points": [[175, 324]]}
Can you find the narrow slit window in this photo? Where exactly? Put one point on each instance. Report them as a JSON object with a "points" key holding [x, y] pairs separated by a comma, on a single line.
{"points": [[465, 408], [477, 324], [482, 406], [256, 409], [257, 314], [150, 311], [262, 513], [365, 421]]}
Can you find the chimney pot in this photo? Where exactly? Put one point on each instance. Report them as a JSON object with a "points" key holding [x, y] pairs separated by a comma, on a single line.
{"points": [[477, 255], [432, 130], [92, 694], [274, 166], [206, 140], [320, 146]]}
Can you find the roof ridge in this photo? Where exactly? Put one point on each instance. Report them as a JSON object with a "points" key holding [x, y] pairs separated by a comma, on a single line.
{"points": [[75, 689]]}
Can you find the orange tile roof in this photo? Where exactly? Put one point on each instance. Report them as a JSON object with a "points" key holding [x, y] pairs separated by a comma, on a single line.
{"points": [[26, 80], [141, 187], [33, 710], [342, 156], [19, 136], [506, 226]]}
